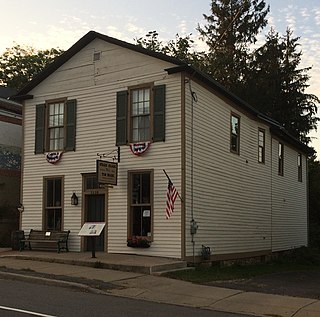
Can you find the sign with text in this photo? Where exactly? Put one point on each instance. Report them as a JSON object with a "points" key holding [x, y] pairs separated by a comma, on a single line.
{"points": [[91, 229], [107, 172]]}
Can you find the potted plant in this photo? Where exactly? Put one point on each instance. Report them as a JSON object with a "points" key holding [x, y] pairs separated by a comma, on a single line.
{"points": [[138, 242]]}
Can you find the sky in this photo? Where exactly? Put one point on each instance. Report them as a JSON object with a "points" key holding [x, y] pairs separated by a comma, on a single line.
{"points": [[60, 23]]}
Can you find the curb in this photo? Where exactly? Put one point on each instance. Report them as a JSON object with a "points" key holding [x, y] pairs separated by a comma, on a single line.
{"points": [[51, 282]]}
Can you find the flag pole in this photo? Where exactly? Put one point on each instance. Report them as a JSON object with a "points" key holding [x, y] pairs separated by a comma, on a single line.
{"points": [[172, 183]]}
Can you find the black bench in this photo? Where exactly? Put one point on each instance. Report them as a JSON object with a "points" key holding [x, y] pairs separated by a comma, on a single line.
{"points": [[60, 238]]}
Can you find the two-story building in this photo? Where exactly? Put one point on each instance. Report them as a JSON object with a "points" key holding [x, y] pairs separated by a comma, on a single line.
{"points": [[241, 177]]}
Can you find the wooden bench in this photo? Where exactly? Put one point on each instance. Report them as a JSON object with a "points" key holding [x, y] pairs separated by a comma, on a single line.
{"points": [[60, 238]]}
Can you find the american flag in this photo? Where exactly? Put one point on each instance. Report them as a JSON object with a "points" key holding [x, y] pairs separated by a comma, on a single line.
{"points": [[172, 194]]}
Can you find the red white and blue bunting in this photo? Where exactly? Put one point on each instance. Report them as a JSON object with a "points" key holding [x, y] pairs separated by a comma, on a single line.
{"points": [[53, 157], [139, 148]]}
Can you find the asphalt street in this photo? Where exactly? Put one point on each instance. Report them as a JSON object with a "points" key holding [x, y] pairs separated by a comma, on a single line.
{"points": [[18, 299]]}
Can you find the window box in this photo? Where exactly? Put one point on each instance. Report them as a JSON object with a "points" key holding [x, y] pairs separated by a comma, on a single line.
{"points": [[138, 242]]}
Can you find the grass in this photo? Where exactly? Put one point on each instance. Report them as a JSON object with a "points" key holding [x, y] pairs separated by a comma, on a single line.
{"points": [[302, 259]]}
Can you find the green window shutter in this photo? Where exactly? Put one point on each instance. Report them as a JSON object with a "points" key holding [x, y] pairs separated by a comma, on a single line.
{"points": [[71, 110], [121, 125], [159, 101], [40, 129]]}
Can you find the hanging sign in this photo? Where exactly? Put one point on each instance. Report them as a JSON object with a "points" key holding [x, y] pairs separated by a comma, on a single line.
{"points": [[107, 172], [139, 148]]}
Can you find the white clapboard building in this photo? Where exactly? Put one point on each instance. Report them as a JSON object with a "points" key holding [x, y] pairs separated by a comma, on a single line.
{"points": [[240, 176]]}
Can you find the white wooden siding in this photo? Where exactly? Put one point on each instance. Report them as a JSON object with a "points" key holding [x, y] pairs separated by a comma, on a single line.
{"points": [[289, 201], [232, 204], [94, 85]]}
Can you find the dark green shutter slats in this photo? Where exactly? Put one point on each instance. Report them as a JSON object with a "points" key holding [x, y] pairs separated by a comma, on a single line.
{"points": [[40, 129], [121, 125], [71, 110], [159, 94]]}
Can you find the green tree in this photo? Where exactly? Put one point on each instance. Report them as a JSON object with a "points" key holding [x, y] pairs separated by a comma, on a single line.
{"points": [[181, 48], [276, 85], [19, 64], [229, 31]]}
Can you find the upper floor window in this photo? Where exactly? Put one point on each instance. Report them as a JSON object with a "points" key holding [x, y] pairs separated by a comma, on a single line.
{"points": [[55, 126], [280, 158], [261, 146], [235, 134], [141, 115], [299, 163]]}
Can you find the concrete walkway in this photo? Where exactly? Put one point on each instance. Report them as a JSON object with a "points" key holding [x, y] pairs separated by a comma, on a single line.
{"points": [[149, 287]]}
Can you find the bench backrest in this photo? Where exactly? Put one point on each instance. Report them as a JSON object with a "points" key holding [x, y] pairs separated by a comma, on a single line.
{"points": [[44, 235]]}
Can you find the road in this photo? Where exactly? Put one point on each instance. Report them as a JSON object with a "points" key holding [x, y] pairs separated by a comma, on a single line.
{"points": [[21, 299]]}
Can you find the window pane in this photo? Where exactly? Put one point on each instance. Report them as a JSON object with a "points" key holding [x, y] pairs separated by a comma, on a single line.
{"points": [[53, 219], [50, 193], [137, 221], [146, 107], [135, 135], [146, 222], [234, 125], [234, 143], [141, 221], [135, 96], [57, 193], [135, 109], [145, 188], [135, 122], [136, 186]]}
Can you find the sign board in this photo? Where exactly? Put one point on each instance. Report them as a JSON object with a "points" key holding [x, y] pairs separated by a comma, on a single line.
{"points": [[107, 172], [91, 229]]}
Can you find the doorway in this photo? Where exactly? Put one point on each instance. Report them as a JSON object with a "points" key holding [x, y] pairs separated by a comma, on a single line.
{"points": [[95, 209]]}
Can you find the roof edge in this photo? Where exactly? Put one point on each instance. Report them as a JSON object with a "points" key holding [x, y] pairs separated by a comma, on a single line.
{"points": [[80, 44]]}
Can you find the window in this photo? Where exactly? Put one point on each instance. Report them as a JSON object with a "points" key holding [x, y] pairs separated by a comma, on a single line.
{"points": [[280, 159], [235, 134], [53, 193], [55, 126], [141, 114], [261, 146], [299, 163], [140, 198]]}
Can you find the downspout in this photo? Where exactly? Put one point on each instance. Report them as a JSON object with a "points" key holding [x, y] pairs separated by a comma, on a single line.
{"points": [[193, 223]]}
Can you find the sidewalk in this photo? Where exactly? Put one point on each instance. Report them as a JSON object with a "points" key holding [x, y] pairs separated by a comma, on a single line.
{"points": [[79, 266]]}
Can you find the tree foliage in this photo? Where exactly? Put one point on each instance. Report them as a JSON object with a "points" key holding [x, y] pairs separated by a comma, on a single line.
{"points": [[276, 85], [20, 64], [180, 47], [230, 29]]}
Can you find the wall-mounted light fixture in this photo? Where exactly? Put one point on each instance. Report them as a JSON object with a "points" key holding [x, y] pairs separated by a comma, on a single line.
{"points": [[74, 199], [20, 208]]}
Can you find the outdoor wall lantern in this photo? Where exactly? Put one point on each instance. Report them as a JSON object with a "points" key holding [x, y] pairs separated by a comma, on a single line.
{"points": [[74, 199]]}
